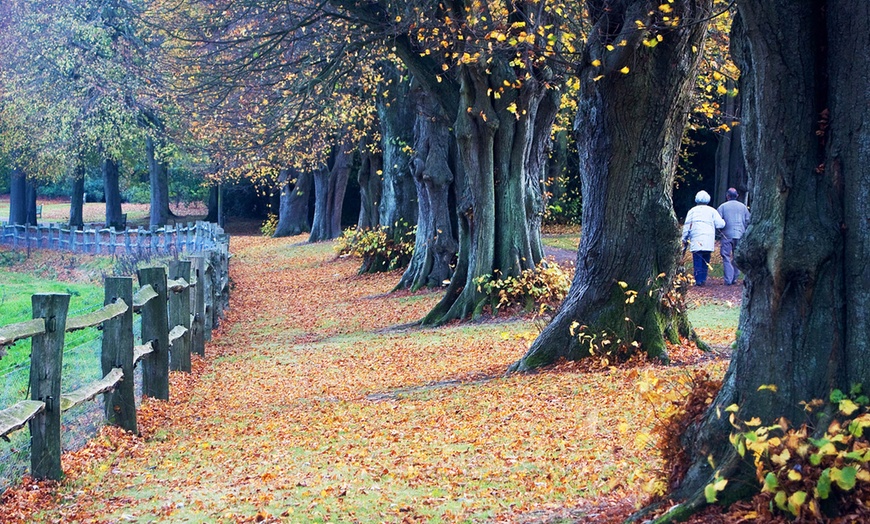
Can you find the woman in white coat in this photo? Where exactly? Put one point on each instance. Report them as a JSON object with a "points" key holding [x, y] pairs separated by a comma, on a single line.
{"points": [[699, 232]]}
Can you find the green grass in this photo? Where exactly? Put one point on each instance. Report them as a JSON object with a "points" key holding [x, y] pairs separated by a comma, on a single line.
{"points": [[16, 290], [715, 316], [568, 241]]}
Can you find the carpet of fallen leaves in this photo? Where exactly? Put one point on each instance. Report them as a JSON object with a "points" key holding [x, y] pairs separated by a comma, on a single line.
{"points": [[317, 402]]}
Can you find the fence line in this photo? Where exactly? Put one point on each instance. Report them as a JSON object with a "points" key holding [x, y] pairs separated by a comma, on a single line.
{"points": [[191, 238], [178, 310]]}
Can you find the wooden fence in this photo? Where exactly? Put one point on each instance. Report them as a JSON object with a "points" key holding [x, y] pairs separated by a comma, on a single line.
{"points": [[178, 311], [192, 237]]}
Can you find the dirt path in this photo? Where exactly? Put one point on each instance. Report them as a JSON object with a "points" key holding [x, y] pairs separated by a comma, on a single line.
{"points": [[308, 410]]}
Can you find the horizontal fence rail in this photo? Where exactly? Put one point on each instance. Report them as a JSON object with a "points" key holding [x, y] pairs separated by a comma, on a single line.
{"points": [[178, 310], [192, 237]]}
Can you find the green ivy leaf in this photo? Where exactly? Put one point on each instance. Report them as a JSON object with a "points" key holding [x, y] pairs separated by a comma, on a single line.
{"points": [[796, 501], [823, 486], [770, 481], [845, 478], [780, 500], [710, 493]]}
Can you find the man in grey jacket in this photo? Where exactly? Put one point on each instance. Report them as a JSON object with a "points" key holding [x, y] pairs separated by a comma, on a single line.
{"points": [[736, 217]]}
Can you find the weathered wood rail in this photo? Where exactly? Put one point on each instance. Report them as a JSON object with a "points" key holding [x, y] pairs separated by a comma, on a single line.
{"points": [[178, 310], [192, 237]]}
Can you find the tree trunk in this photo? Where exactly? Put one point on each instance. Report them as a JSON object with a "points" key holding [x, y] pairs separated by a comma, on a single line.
{"points": [[628, 156], [76, 204], [112, 189], [213, 203], [803, 326], [398, 203], [730, 167], [159, 181], [495, 138], [536, 168], [435, 243], [329, 188], [30, 196], [17, 197], [370, 184], [293, 210]]}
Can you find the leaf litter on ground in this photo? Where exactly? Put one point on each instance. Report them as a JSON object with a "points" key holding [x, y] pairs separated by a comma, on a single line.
{"points": [[309, 409]]}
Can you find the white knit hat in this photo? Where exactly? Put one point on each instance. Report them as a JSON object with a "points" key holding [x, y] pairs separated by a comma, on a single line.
{"points": [[702, 197]]}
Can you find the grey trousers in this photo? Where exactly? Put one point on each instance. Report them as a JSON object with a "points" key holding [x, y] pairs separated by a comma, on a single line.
{"points": [[726, 248]]}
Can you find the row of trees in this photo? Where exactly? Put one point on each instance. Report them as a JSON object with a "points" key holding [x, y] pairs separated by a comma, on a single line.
{"points": [[488, 80], [447, 109], [81, 90]]}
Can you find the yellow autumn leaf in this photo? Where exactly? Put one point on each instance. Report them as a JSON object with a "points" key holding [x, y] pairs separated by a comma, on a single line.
{"points": [[847, 407], [596, 63], [624, 70]]}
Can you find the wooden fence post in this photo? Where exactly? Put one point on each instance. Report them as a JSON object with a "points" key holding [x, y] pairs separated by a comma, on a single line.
{"points": [[118, 353], [45, 370], [179, 315], [208, 296], [155, 328], [197, 327]]}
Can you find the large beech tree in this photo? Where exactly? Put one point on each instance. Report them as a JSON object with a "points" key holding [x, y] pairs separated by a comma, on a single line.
{"points": [[490, 83], [804, 324], [632, 110]]}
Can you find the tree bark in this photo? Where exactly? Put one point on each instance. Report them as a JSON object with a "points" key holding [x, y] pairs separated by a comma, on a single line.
{"points": [[398, 203], [159, 182], [17, 197], [435, 243], [76, 204], [370, 186], [112, 190], [293, 210], [30, 196], [730, 167], [329, 188], [803, 326], [628, 130], [212, 204]]}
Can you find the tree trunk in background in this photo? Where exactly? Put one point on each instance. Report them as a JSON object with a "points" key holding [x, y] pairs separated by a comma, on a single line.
{"points": [[17, 197], [159, 181], [730, 166], [213, 203], [329, 188], [76, 203], [293, 210], [112, 190], [803, 326], [398, 203], [30, 196], [370, 184], [536, 169], [628, 129], [435, 244], [557, 166]]}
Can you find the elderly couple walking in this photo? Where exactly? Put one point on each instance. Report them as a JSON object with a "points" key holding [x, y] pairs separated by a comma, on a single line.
{"points": [[699, 233]]}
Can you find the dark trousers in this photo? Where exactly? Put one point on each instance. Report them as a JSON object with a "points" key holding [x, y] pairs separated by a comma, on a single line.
{"points": [[701, 260]]}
